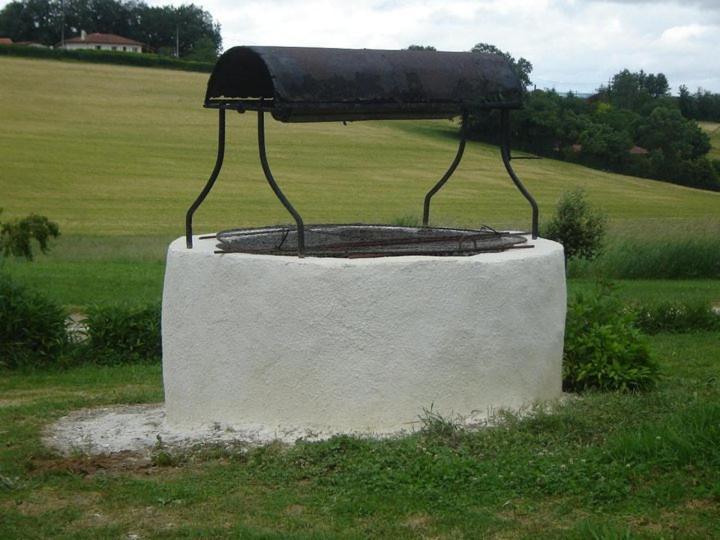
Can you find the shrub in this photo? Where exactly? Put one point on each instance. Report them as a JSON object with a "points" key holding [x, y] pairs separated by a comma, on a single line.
{"points": [[578, 227], [16, 236], [108, 57], [121, 334], [603, 348], [32, 327], [676, 317]]}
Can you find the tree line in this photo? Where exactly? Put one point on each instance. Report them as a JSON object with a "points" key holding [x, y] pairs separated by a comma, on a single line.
{"points": [[631, 126], [702, 105], [157, 27]]}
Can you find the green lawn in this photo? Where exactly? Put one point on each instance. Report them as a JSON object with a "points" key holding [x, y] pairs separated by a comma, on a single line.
{"points": [[603, 466]]}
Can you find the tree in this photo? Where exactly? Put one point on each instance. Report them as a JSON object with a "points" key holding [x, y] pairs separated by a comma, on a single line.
{"points": [[677, 137], [605, 145], [633, 90], [577, 226], [31, 20], [156, 27], [16, 236], [421, 48], [522, 67]]}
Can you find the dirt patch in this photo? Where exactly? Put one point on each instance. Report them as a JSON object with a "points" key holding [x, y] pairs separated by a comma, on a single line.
{"points": [[416, 521], [142, 429], [89, 465]]}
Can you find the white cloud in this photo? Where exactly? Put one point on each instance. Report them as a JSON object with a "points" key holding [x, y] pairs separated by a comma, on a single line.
{"points": [[682, 34]]}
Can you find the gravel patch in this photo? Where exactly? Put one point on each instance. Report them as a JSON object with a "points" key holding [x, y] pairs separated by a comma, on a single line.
{"points": [[143, 429]]}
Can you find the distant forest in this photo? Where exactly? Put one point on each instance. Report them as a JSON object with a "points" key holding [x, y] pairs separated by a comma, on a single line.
{"points": [[632, 126], [156, 27]]}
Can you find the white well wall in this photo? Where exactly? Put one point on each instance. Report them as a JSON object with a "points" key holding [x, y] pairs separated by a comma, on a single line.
{"points": [[358, 345]]}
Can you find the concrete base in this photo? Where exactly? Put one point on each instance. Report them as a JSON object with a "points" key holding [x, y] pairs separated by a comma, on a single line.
{"points": [[358, 345]]}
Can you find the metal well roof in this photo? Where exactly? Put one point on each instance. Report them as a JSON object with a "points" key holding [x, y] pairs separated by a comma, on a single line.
{"points": [[302, 84]]}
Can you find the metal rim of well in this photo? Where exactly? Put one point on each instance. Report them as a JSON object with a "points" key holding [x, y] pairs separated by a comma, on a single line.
{"points": [[357, 240]]}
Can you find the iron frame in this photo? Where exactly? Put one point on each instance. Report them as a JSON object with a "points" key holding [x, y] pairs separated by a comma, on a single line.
{"points": [[505, 153]]}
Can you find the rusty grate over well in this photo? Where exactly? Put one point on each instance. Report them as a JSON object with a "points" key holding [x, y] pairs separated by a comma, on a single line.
{"points": [[361, 240]]}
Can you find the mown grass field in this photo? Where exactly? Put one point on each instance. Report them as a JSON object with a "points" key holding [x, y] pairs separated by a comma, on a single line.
{"points": [[107, 150], [116, 154]]}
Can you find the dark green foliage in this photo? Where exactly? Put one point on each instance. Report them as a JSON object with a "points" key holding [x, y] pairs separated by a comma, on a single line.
{"points": [[702, 105], [522, 67], [667, 130], [578, 227], [32, 327], [16, 236], [108, 57], [676, 317], [421, 48], [635, 110], [122, 334], [634, 90], [603, 348]]}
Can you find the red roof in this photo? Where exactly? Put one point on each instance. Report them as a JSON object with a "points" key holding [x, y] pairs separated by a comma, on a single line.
{"points": [[103, 39], [6, 41], [638, 150]]}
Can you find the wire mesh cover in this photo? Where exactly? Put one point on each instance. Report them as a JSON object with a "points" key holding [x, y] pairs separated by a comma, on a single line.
{"points": [[359, 240]]}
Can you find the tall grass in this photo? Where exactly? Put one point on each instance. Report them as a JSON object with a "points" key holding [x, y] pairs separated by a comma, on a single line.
{"points": [[673, 258]]}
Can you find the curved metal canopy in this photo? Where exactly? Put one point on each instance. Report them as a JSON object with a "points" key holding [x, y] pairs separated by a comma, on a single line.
{"points": [[303, 84]]}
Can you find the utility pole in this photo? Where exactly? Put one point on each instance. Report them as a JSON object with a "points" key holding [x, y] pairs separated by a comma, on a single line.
{"points": [[177, 41]]}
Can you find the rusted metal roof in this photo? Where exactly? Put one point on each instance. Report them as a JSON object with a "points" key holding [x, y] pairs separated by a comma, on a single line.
{"points": [[302, 84]]}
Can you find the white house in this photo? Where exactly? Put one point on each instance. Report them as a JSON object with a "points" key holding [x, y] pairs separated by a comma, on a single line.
{"points": [[103, 42]]}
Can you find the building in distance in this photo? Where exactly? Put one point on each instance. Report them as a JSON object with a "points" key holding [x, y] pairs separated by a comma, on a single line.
{"points": [[102, 42]]}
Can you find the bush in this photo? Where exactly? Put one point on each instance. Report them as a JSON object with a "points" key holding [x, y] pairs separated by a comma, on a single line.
{"points": [[16, 236], [32, 327], [603, 347], [108, 57], [579, 228], [122, 334], [676, 317]]}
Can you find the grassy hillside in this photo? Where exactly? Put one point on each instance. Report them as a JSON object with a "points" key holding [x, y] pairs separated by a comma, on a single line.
{"points": [[116, 154], [109, 150]]}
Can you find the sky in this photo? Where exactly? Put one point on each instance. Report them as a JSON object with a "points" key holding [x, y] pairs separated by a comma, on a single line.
{"points": [[572, 44]]}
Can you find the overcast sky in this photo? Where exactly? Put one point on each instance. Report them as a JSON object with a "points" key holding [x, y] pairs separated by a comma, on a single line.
{"points": [[572, 44]]}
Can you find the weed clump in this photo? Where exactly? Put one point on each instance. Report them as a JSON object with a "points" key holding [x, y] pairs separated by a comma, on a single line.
{"points": [[122, 334], [32, 327], [603, 347]]}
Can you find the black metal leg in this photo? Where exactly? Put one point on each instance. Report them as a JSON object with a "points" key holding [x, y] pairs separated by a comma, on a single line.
{"points": [[276, 189], [505, 152], [448, 173], [210, 182]]}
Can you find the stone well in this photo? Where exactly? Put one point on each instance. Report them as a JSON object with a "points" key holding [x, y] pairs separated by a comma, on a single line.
{"points": [[358, 345]]}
